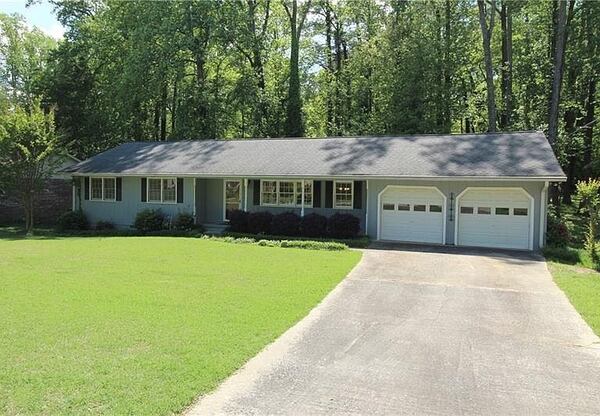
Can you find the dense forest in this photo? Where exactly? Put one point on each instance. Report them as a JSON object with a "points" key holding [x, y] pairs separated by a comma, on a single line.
{"points": [[200, 69]]}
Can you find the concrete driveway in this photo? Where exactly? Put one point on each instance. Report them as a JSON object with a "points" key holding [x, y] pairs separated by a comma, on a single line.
{"points": [[427, 332]]}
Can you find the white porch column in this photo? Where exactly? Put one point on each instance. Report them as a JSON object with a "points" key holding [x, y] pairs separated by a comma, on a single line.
{"points": [[194, 199], [74, 202], [302, 203], [245, 194], [367, 207]]}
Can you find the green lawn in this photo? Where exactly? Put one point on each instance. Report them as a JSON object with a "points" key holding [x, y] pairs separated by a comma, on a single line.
{"points": [[572, 273], [143, 325]]}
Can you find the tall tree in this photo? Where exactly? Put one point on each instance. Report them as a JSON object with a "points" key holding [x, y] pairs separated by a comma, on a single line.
{"points": [[294, 125], [506, 18], [486, 35], [558, 57]]}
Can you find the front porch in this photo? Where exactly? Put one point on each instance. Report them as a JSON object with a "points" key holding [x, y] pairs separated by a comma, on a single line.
{"points": [[216, 197]]}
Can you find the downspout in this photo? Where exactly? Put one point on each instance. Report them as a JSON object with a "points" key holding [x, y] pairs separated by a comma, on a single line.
{"points": [[543, 214]]}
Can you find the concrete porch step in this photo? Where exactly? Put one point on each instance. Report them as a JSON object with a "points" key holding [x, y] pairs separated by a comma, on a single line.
{"points": [[215, 228]]}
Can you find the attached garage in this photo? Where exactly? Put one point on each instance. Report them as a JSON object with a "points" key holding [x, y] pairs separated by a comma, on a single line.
{"points": [[495, 217], [412, 214]]}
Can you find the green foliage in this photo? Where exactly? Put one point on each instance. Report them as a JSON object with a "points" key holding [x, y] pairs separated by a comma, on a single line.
{"points": [[272, 242], [72, 220], [359, 242], [184, 221], [587, 199], [104, 225], [149, 220], [29, 154]]}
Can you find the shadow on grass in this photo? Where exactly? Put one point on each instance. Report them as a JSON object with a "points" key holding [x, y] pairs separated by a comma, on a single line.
{"points": [[18, 233], [571, 256]]}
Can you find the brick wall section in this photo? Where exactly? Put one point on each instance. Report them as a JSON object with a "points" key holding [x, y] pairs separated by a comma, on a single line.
{"points": [[54, 200]]}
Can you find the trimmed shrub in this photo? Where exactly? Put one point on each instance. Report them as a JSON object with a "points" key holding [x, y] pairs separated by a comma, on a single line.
{"points": [[359, 242], [313, 225], [558, 234], [343, 225], [149, 220], [238, 221], [104, 225], [184, 221], [73, 220], [259, 222], [286, 224]]}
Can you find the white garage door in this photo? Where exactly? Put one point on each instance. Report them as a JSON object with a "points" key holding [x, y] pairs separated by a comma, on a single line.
{"points": [[496, 217], [412, 214]]}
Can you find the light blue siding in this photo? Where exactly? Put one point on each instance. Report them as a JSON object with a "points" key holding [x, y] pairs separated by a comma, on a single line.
{"points": [[122, 213], [209, 202]]}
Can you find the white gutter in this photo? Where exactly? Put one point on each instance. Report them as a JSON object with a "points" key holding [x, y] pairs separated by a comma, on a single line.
{"points": [[341, 177]]}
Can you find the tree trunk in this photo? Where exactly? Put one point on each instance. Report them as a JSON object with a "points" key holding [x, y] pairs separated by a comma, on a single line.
{"points": [[163, 113], [507, 65], [588, 134], [448, 69], [329, 64], [486, 32], [294, 126], [560, 42]]}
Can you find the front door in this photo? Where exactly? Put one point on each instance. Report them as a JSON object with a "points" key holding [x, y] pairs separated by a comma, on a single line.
{"points": [[233, 197]]}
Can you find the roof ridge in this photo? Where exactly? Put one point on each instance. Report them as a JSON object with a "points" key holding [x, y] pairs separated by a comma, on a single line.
{"points": [[371, 136]]}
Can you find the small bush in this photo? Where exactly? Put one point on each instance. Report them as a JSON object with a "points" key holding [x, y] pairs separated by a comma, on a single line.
{"points": [[238, 221], [184, 221], [104, 225], [313, 225], [562, 254], [343, 225], [73, 220], [558, 234], [286, 224], [259, 222], [149, 220]]}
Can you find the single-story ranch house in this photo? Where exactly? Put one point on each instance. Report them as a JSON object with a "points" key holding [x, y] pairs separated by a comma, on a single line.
{"points": [[487, 190]]}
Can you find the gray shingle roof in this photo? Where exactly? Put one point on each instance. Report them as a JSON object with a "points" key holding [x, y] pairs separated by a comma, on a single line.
{"points": [[523, 154]]}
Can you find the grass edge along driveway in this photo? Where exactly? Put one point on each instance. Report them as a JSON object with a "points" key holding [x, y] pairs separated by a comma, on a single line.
{"points": [[582, 288], [144, 325]]}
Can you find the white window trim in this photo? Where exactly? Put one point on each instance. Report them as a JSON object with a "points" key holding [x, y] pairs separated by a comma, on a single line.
{"points": [[295, 182], [102, 178], [162, 201], [335, 206]]}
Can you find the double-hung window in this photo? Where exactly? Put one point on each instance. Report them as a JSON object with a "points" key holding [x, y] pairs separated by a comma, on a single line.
{"points": [[103, 189], [343, 194], [285, 193], [162, 190]]}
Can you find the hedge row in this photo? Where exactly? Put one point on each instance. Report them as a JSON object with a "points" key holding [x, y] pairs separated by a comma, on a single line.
{"points": [[289, 224], [146, 222], [359, 242], [302, 244]]}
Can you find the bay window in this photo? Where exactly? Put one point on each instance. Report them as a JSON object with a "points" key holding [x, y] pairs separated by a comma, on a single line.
{"points": [[285, 193], [343, 194]]}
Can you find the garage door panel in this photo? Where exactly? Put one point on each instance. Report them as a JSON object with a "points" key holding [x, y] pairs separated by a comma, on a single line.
{"points": [[500, 228], [410, 225]]}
